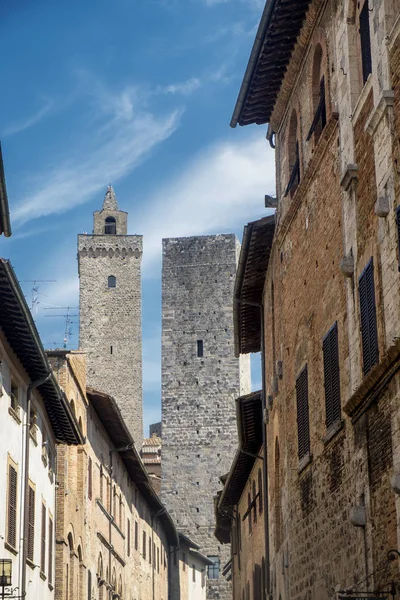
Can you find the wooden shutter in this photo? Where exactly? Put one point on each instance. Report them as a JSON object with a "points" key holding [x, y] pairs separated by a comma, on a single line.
{"points": [[369, 332], [43, 541], [90, 480], [12, 507], [330, 348], [303, 425], [398, 231], [31, 522], [50, 569], [365, 41]]}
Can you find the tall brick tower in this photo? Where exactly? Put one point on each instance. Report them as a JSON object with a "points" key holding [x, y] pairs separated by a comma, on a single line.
{"points": [[201, 378], [110, 310]]}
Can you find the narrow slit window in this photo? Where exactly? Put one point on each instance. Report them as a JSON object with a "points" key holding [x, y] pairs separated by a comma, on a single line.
{"points": [[365, 42], [112, 281], [303, 422], [200, 349], [369, 331], [330, 349]]}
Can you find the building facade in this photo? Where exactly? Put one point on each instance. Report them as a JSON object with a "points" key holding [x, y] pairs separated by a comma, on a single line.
{"points": [[114, 537], [331, 311], [110, 330], [200, 380], [34, 415]]}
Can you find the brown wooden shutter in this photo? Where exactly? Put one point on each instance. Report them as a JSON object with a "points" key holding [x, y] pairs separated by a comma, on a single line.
{"points": [[369, 332], [43, 541], [12, 507], [303, 425], [90, 481], [50, 569], [365, 41], [330, 347], [31, 523]]}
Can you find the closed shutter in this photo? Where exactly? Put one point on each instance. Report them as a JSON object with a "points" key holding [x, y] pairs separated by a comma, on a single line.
{"points": [[330, 347], [31, 523], [136, 535], [12, 507], [365, 41], [303, 425], [398, 232], [369, 332], [128, 536], [43, 541], [90, 482], [50, 570]]}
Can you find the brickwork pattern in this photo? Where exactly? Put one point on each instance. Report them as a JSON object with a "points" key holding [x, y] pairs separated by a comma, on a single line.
{"points": [[198, 392]]}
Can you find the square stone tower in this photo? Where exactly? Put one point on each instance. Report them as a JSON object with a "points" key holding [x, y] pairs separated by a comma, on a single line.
{"points": [[201, 378], [110, 311]]}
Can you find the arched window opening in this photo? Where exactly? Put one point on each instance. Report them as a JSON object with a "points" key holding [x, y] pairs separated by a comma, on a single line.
{"points": [[110, 226], [72, 403], [260, 492], [112, 281], [278, 499], [114, 581], [249, 512], [100, 578], [318, 95], [80, 424], [120, 586], [254, 502], [81, 574], [293, 155]]}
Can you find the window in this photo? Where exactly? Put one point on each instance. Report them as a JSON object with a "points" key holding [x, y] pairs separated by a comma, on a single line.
{"points": [[31, 521], [101, 484], [183, 561], [14, 397], [249, 512], [50, 569], [33, 424], [136, 535], [149, 550], [293, 155], [330, 349], [90, 481], [194, 573], [43, 541], [303, 425], [365, 42], [128, 536], [158, 560], [203, 578], [11, 535], [254, 502], [260, 492], [112, 281], [144, 544], [369, 332], [318, 96], [110, 226], [200, 349], [89, 585], [213, 570]]}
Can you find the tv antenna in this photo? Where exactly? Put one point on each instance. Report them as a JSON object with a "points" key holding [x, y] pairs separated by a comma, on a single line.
{"points": [[35, 301], [68, 332]]}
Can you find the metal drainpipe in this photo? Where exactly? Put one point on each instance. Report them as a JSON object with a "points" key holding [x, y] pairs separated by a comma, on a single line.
{"points": [[265, 461], [32, 386]]}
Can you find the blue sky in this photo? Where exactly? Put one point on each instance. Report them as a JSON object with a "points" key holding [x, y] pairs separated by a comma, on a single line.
{"points": [[138, 93]]}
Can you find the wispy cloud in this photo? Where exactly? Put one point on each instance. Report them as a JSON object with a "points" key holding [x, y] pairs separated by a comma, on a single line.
{"points": [[122, 134], [219, 191], [185, 88], [30, 121]]}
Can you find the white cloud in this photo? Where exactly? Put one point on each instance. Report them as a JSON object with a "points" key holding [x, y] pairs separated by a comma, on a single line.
{"points": [[121, 136], [186, 88], [30, 121], [219, 191]]}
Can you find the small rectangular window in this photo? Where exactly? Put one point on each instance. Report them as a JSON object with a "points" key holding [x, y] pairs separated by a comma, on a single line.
{"points": [[128, 536], [194, 573], [14, 397], [144, 544], [213, 570], [303, 424], [369, 331], [330, 349], [149, 550], [200, 349], [136, 535]]}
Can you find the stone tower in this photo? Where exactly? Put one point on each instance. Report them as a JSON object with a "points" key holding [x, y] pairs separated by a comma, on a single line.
{"points": [[201, 378], [110, 311]]}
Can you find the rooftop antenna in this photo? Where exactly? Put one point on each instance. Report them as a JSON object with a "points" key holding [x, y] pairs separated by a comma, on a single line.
{"points": [[36, 292], [68, 332]]}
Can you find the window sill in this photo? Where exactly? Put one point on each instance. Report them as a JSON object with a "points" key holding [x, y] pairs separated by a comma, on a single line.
{"points": [[51, 587], [304, 462], [14, 414], [332, 431], [43, 576], [374, 383], [31, 564], [361, 100], [33, 438], [10, 548]]}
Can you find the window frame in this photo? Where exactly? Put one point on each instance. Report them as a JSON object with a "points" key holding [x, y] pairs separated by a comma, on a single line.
{"points": [[214, 569], [368, 318], [12, 512], [331, 366]]}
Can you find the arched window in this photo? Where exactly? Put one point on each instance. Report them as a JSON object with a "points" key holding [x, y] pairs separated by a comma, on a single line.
{"points": [[249, 512], [72, 403], [114, 581], [100, 577], [81, 574], [293, 155], [120, 586], [318, 95], [254, 502], [112, 281], [110, 226], [260, 492]]}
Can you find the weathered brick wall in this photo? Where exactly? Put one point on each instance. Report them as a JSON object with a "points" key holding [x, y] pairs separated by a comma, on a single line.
{"points": [[111, 322], [198, 393]]}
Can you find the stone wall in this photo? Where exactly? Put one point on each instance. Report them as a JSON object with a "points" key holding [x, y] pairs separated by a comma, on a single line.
{"points": [[198, 392]]}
